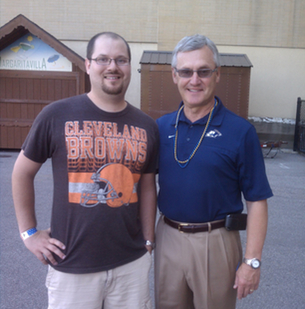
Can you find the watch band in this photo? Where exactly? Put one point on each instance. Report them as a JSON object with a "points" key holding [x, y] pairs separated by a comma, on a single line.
{"points": [[25, 235], [254, 263], [149, 243]]}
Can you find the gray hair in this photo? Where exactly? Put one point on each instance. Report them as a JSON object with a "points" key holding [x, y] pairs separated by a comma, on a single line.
{"points": [[194, 42]]}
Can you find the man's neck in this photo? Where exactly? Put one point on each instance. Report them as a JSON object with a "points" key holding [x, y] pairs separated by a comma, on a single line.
{"points": [[111, 104], [197, 112]]}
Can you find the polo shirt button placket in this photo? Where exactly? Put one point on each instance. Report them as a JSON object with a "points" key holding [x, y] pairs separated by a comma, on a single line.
{"points": [[188, 138]]}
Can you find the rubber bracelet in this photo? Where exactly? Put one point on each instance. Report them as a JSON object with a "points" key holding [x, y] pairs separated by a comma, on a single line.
{"points": [[25, 235]]}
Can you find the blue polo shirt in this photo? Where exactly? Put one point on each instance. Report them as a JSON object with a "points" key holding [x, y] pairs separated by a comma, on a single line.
{"points": [[227, 164]]}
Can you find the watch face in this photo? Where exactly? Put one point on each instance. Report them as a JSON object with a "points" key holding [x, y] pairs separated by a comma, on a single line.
{"points": [[256, 264]]}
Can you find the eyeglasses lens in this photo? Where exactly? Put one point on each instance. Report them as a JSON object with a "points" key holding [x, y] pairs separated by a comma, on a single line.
{"points": [[107, 61], [189, 73]]}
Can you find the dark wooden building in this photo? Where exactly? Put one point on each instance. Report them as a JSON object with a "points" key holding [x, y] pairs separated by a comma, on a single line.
{"points": [[159, 94], [26, 86]]}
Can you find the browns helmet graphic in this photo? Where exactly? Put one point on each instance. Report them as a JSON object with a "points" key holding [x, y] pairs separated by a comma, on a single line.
{"points": [[113, 185]]}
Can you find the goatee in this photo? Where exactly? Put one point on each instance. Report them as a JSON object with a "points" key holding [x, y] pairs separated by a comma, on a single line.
{"points": [[112, 90]]}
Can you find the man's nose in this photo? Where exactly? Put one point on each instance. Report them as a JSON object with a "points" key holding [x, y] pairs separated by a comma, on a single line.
{"points": [[195, 79], [112, 64]]}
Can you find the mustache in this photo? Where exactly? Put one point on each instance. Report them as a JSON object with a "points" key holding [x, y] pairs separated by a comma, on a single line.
{"points": [[112, 71]]}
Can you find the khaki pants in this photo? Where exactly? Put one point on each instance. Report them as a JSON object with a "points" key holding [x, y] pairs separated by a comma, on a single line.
{"points": [[196, 270], [123, 287]]}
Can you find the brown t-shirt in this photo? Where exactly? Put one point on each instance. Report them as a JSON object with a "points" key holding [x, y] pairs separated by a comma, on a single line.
{"points": [[97, 158]]}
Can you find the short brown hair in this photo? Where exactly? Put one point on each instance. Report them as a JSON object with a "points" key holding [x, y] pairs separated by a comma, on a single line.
{"points": [[90, 46]]}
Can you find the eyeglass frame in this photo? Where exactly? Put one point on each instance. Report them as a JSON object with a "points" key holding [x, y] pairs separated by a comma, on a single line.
{"points": [[193, 71], [109, 61]]}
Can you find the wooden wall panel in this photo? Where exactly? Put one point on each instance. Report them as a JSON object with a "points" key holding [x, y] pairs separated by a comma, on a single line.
{"points": [[159, 94], [24, 94]]}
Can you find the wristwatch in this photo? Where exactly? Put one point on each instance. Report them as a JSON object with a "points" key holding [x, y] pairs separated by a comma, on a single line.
{"points": [[149, 243], [254, 263]]}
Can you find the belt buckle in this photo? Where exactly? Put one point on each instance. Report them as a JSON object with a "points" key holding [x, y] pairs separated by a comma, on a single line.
{"points": [[180, 226]]}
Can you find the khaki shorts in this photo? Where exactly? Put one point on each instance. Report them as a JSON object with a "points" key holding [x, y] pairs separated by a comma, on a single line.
{"points": [[123, 287]]}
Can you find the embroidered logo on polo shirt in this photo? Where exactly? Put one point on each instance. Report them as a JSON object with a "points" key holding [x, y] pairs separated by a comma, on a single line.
{"points": [[213, 134]]}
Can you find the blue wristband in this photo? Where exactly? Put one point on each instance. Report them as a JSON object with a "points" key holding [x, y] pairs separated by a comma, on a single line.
{"points": [[28, 233]]}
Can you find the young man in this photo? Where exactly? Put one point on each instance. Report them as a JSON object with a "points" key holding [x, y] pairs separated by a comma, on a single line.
{"points": [[103, 154], [208, 158]]}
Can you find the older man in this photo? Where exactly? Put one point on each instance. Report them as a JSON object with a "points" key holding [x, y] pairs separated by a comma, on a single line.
{"points": [[209, 157]]}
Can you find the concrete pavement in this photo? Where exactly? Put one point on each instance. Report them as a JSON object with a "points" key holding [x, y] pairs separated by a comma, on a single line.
{"points": [[282, 285]]}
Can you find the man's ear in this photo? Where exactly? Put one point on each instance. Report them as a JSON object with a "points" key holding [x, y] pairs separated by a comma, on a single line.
{"points": [[218, 75], [174, 76], [87, 65]]}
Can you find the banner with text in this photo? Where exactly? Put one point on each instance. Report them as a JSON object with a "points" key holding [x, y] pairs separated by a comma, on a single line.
{"points": [[32, 54]]}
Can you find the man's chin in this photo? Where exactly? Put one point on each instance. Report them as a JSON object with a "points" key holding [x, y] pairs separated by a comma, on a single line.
{"points": [[112, 91]]}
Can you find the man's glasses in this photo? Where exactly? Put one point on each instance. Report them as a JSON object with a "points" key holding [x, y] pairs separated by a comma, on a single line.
{"points": [[102, 60], [203, 73]]}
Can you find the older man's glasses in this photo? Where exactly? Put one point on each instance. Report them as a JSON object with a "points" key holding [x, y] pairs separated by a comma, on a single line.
{"points": [[121, 61], [203, 73]]}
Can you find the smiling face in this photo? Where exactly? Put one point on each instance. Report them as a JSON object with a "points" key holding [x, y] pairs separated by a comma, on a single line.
{"points": [[197, 93], [109, 79]]}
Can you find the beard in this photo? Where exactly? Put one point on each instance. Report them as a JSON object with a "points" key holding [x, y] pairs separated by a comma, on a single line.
{"points": [[112, 90]]}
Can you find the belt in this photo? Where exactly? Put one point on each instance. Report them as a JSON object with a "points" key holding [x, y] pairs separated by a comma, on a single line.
{"points": [[195, 228]]}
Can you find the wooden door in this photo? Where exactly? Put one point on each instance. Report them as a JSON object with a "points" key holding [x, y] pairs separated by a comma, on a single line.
{"points": [[23, 94]]}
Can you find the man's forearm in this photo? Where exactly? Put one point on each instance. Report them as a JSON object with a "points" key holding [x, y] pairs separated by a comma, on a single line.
{"points": [[148, 202], [23, 192], [256, 228], [40, 243], [247, 279]]}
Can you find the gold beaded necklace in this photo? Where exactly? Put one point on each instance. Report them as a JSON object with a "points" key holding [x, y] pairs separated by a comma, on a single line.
{"points": [[184, 163]]}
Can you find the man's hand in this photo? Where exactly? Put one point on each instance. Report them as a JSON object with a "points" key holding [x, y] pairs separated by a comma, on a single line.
{"points": [[149, 249], [42, 245], [246, 281]]}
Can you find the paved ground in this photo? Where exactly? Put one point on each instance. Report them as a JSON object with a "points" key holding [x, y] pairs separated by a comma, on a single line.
{"points": [[283, 280]]}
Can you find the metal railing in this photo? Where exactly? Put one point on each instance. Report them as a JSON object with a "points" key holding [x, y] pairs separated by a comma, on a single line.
{"points": [[299, 133]]}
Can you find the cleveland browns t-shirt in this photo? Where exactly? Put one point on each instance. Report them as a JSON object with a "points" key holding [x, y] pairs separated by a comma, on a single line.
{"points": [[97, 160]]}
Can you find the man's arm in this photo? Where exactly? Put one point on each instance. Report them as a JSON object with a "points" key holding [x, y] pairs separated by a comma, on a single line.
{"points": [[40, 244], [148, 202], [247, 278]]}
